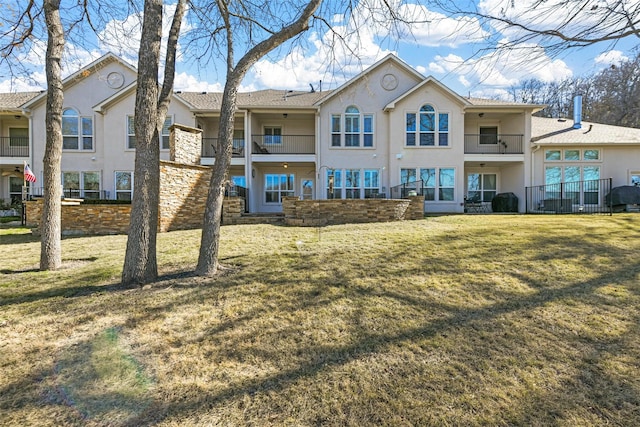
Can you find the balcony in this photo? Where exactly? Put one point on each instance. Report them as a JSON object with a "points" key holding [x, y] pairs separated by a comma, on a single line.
{"points": [[493, 144], [209, 148], [14, 147], [283, 144]]}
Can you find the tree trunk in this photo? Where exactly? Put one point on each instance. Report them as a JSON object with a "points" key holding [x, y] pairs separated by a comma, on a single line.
{"points": [[50, 224], [210, 241], [140, 264]]}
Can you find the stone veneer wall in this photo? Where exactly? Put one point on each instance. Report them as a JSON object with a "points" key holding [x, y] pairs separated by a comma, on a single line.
{"points": [[183, 196], [342, 211], [185, 144], [84, 219]]}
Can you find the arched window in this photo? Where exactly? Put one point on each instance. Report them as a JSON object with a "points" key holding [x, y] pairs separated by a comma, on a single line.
{"points": [[77, 132], [352, 129], [427, 128]]}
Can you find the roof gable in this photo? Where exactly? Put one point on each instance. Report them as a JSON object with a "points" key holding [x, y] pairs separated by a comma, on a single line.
{"points": [[391, 58], [81, 74], [430, 80]]}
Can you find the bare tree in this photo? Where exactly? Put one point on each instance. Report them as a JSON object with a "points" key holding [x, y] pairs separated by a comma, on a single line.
{"points": [[152, 104], [555, 25], [209, 245]]}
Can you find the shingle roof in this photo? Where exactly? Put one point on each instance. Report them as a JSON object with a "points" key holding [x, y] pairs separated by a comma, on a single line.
{"points": [[482, 102], [260, 98], [13, 101], [561, 131]]}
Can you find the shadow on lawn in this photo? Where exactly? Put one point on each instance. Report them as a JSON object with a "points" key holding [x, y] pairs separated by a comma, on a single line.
{"points": [[579, 392], [316, 287]]}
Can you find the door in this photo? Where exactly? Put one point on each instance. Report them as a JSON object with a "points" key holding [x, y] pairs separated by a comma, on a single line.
{"points": [[307, 189]]}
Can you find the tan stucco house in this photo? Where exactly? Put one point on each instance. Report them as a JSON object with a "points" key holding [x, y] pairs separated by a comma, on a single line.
{"points": [[373, 137]]}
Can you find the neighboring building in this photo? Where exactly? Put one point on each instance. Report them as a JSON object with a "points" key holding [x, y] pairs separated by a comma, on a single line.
{"points": [[387, 127]]}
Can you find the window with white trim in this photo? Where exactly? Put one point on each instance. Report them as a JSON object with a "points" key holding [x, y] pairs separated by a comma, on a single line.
{"points": [[164, 137], [124, 185], [481, 187], [353, 129], [352, 183], [272, 135], [438, 184], [634, 178], [77, 131], [427, 128], [85, 184], [277, 186]]}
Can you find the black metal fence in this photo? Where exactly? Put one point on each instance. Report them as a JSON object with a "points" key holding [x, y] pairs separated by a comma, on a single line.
{"points": [[493, 144], [403, 191], [570, 197], [238, 191], [283, 144], [14, 146]]}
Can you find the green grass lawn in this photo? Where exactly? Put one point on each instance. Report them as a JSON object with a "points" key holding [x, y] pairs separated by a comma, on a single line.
{"points": [[493, 320]]}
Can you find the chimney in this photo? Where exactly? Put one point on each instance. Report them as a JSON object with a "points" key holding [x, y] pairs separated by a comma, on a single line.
{"points": [[577, 112]]}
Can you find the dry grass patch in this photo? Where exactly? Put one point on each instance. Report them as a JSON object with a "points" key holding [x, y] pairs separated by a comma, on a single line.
{"points": [[457, 320]]}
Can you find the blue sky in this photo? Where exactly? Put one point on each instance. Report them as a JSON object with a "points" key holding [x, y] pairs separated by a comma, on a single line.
{"points": [[457, 51]]}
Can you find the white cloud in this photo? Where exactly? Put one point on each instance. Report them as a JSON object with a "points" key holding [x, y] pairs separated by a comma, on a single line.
{"points": [[434, 29], [612, 57], [189, 83], [503, 68]]}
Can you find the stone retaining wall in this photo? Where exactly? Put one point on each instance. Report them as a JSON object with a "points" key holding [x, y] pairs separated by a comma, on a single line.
{"points": [[343, 211], [84, 219]]}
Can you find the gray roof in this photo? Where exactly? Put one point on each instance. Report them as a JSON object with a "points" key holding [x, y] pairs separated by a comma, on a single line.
{"points": [[483, 102], [269, 98], [13, 101], [561, 131]]}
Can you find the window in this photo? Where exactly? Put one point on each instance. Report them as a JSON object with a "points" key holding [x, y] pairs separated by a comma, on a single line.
{"points": [[71, 184], [428, 177], [15, 189], [352, 127], [438, 184], [488, 135], [427, 128], [352, 183], [91, 185], [18, 137], [272, 135], [634, 179], [481, 187], [81, 184], [371, 183], [334, 184], [446, 184], [131, 133], [591, 155], [77, 132], [552, 155], [278, 186], [335, 130], [124, 185], [564, 182], [572, 154], [358, 129]]}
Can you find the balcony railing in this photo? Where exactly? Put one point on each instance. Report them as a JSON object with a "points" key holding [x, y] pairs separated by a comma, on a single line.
{"points": [[283, 144], [493, 144], [209, 147], [14, 146]]}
